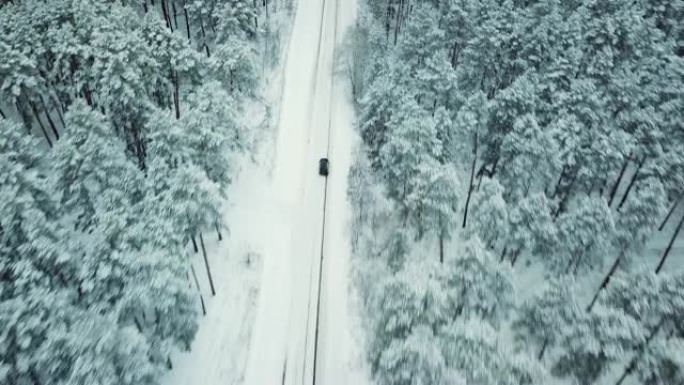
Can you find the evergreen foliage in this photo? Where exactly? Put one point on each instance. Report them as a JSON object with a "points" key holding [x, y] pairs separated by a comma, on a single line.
{"points": [[556, 128], [118, 142]]}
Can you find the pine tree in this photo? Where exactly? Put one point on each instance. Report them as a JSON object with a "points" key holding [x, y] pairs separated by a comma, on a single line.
{"points": [[471, 347], [489, 220], [405, 304], [416, 360], [586, 234], [532, 228], [476, 285], [89, 162]]}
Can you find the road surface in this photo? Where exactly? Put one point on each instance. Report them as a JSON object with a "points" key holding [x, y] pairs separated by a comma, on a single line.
{"points": [[303, 330]]}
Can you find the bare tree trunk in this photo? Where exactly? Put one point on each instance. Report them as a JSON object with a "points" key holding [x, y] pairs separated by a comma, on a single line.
{"points": [[564, 201], [194, 243], [614, 190], [176, 94], [669, 245], [479, 181], [165, 13], [218, 231], [40, 123], [604, 184], [194, 275], [606, 279], [206, 263], [470, 183], [669, 213], [503, 254], [2, 114], [204, 37], [441, 248], [631, 182], [560, 180], [543, 349], [632, 364], [187, 21], [49, 119], [24, 115], [454, 55], [388, 17], [175, 13], [88, 95], [59, 108], [397, 24], [515, 256]]}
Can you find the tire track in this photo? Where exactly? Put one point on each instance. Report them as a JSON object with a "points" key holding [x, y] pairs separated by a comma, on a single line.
{"points": [[325, 191]]}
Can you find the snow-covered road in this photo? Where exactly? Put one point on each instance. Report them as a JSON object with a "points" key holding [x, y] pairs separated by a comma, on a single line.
{"points": [[294, 341]]}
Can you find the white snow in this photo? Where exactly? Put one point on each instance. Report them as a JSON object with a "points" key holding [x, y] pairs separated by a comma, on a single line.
{"points": [[261, 326]]}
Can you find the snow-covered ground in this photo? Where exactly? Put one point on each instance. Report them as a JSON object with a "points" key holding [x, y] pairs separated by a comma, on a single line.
{"points": [[264, 325]]}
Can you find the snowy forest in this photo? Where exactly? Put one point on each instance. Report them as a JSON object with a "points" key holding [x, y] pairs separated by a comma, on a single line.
{"points": [[119, 125], [517, 195]]}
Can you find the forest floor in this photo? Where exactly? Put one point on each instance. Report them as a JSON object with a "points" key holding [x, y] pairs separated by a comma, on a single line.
{"points": [[284, 312]]}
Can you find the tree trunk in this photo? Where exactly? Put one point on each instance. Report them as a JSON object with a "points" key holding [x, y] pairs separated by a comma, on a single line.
{"points": [[40, 123], [206, 263], [187, 22], [669, 245], [631, 183], [543, 349], [144, 4], [194, 243], [218, 231], [397, 24], [669, 213], [632, 364], [388, 17], [25, 118], [515, 256], [441, 248], [470, 183], [503, 254], [479, 181], [454, 55], [574, 262], [614, 190], [560, 180], [88, 95], [606, 279], [194, 275], [175, 13], [165, 13], [176, 94], [604, 184], [204, 37], [50, 121], [2, 114], [59, 108], [564, 201]]}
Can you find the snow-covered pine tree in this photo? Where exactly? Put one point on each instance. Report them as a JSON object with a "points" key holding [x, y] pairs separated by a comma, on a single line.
{"points": [[213, 132], [586, 233], [531, 228], [408, 300], [489, 220], [476, 285], [416, 360], [471, 347], [88, 162]]}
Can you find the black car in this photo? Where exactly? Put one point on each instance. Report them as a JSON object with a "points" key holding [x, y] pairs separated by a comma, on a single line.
{"points": [[323, 166]]}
